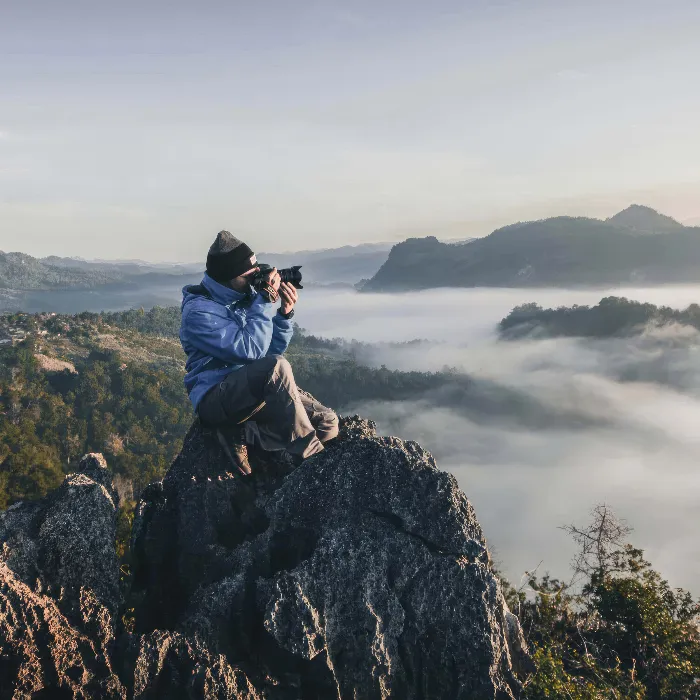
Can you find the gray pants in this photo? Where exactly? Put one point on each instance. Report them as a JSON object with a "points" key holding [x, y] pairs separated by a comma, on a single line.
{"points": [[291, 419]]}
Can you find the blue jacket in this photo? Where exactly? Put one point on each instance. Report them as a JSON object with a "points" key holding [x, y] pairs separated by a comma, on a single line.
{"points": [[222, 330]]}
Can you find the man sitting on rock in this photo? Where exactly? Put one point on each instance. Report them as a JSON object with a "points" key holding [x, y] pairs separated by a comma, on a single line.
{"points": [[234, 343]]}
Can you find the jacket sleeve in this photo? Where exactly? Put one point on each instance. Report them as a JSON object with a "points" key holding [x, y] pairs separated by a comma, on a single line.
{"points": [[227, 338], [282, 332]]}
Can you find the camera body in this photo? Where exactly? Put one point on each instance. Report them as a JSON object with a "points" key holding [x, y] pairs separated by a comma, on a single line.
{"points": [[287, 274]]}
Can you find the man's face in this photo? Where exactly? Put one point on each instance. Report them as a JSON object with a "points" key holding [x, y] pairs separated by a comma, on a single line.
{"points": [[242, 282]]}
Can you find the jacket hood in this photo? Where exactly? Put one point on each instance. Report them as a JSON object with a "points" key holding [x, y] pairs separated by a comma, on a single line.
{"points": [[211, 289]]}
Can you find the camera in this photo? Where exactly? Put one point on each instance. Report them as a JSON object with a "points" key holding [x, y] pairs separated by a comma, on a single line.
{"points": [[287, 274]]}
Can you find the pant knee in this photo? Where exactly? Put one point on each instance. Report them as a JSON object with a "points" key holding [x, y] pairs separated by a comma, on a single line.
{"points": [[279, 364], [328, 429], [271, 369]]}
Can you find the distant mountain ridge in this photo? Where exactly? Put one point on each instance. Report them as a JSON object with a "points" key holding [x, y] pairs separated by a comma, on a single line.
{"points": [[22, 271], [70, 285], [637, 245]]}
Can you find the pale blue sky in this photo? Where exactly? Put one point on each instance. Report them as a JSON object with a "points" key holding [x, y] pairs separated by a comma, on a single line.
{"points": [[139, 129]]}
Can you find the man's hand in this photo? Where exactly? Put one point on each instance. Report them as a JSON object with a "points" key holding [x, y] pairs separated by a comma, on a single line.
{"points": [[273, 279], [289, 296]]}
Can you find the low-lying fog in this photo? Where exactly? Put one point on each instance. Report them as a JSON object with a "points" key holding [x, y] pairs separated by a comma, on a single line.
{"points": [[629, 436], [611, 420]]}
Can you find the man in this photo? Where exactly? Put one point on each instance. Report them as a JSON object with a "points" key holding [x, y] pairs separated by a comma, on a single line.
{"points": [[234, 343]]}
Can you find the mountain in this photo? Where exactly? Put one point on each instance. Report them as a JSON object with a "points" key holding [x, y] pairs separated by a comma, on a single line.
{"points": [[122, 268], [644, 220], [638, 245], [20, 271], [362, 574], [71, 285], [344, 265]]}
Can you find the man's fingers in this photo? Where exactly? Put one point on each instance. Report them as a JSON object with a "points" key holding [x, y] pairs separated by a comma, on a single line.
{"points": [[289, 291], [274, 278]]}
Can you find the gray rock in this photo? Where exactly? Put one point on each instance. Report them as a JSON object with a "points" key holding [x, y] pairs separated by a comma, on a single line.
{"points": [[364, 573], [59, 590], [65, 542], [169, 665], [60, 606]]}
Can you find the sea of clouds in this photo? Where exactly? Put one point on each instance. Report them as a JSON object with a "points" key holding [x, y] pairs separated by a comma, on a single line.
{"points": [[569, 422]]}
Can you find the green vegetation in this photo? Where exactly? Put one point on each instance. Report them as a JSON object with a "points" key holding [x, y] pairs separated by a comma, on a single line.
{"points": [[126, 397], [135, 413], [613, 316], [158, 320], [617, 631]]}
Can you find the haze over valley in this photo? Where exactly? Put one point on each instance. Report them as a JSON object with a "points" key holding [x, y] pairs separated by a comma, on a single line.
{"points": [[618, 416], [71, 285], [636, 246], [540, 429]]}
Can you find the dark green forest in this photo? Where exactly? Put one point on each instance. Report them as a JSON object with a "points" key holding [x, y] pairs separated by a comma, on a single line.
{"points": [[136, 415], [616, 629], [135, 412], [612, 317]]}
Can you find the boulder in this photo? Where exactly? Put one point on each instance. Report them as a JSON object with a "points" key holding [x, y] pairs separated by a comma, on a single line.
{"points": [[59, 590], [362, 573], [60, 605]]}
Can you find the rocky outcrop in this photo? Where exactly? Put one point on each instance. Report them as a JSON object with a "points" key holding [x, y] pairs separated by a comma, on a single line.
{"points": [[59, 590], [363, 573], [60, 602]]}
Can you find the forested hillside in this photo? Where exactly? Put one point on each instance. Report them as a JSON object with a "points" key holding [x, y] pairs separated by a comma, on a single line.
{"points": [[20, 271], [613, 316], [85, 390]]}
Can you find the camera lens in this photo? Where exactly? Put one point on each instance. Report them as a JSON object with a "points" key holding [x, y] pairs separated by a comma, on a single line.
{"points": [[292, 275]]}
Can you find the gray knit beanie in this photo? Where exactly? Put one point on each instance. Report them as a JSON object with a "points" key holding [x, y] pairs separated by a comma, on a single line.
{"points": [[228, 257]]}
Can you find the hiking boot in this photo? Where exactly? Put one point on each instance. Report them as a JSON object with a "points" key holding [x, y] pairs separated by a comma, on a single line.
{"points": [[237, 452]]}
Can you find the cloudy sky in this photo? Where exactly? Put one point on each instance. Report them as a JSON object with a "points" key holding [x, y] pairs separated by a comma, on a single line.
{"points": [[139, 129]]}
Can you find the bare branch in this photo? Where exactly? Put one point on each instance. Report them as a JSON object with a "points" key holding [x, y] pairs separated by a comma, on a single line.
{"points": [[598, 542]]}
